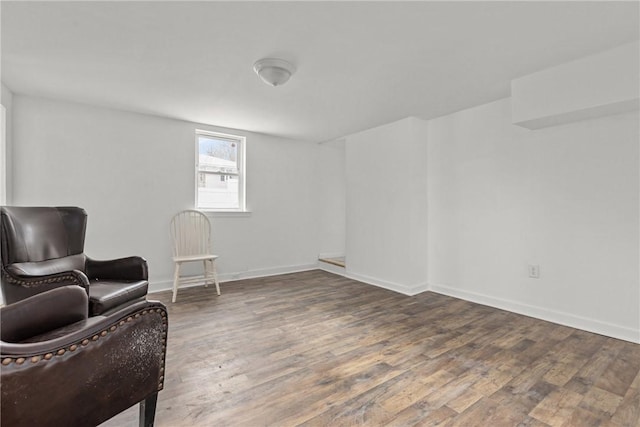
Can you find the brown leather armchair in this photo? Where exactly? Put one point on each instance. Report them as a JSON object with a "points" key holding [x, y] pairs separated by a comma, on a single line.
{"points": [[42, 249], [60, 367]]}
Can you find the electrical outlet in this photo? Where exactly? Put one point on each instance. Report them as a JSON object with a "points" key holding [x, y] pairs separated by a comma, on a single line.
{"points": [[534, 271]]}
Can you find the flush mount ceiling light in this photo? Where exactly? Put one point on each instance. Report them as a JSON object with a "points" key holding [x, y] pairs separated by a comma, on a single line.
{"points": [[274, 72]]}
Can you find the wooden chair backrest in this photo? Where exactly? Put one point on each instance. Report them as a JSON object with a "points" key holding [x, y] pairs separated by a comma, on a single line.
{"points": [[191, 233]]}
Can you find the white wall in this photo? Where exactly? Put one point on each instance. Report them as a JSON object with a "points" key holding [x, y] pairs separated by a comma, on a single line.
{"points": [[386, 206], [132, 172], [565, 198]]}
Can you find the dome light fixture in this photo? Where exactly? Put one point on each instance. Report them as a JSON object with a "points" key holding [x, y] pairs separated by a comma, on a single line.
{"points": [[274, 72]]}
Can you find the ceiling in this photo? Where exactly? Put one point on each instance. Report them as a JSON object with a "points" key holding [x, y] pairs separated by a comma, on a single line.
{"points": [[359, 64]]}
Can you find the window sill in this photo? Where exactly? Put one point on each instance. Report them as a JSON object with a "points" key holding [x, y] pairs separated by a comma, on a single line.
{"points": [[227, 214]]}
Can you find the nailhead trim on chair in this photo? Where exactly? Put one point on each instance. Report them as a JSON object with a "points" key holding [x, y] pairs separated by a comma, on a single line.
{"points": [[31, 283], [83, 343]]}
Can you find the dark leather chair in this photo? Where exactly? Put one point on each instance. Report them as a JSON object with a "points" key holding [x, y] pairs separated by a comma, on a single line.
{"points": [[42, 249], [60, 367]]}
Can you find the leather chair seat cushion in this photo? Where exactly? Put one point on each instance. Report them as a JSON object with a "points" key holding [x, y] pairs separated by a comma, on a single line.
{"points": [[107, 294], [50, 266]]}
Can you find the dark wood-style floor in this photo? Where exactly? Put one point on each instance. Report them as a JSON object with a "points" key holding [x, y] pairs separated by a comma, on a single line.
{"points": [[317, 349]]}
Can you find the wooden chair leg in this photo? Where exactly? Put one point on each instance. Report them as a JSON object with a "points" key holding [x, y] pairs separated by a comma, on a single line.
{"points": [[176, 279], [148, 410], [215, 275], [207, 274]]}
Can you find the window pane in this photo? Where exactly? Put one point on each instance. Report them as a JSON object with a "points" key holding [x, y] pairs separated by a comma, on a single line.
{"points": [[217, 154], [217, 191]]}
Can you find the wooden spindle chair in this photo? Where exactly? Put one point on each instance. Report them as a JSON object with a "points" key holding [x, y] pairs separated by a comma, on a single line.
{"points": [[191, 235]]}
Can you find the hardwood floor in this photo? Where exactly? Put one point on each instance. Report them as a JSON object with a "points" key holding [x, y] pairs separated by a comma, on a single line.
{"points": [[316, 349]]}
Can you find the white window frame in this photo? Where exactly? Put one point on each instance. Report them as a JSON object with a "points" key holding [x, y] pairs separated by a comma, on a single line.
{"points": [[3, 155], [242, 171]]}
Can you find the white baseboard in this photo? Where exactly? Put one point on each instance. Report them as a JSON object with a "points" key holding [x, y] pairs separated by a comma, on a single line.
{"points": [[396, 287], [165, 285], [566, 319]]}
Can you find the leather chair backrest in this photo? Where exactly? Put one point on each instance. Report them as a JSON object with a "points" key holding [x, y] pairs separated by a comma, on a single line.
{"points": [[33, 234]]}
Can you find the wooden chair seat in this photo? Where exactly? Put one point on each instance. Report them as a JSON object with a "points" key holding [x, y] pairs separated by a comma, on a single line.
{"points": [[190, 258]]}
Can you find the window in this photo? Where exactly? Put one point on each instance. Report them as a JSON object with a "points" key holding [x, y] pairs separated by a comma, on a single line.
{"points": [[220, 172], [3, 155]]}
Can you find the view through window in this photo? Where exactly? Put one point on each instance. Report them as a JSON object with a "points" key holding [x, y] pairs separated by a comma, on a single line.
{"points": [[220, 172]]}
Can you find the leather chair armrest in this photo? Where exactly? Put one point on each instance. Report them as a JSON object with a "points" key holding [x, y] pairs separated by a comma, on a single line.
{"points": [[43, 312], [130, 268], [17, 287], [93, 328], [85, 377]]}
